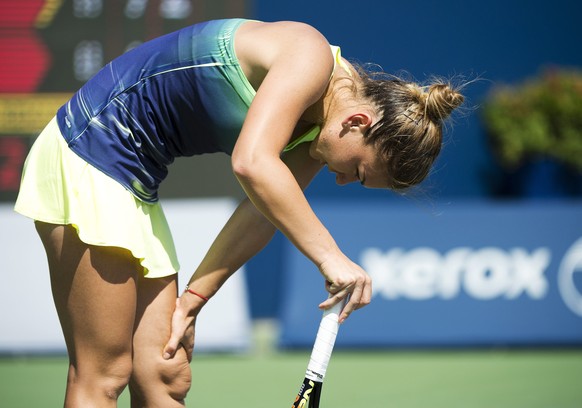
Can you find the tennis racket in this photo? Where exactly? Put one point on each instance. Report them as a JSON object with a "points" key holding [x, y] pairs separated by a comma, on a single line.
{"points": [[310, 391]]}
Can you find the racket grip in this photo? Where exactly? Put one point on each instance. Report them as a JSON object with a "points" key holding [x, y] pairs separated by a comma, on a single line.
{"points": [[324, 342]]}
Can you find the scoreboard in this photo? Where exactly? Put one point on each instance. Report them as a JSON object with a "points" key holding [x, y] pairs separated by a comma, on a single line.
{"points": [[49, 48]]}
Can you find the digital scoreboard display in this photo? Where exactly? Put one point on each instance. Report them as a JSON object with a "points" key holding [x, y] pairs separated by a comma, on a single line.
{"points": [[49, 48]]}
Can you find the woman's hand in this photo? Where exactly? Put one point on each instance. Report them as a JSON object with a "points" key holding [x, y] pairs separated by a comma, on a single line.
{"points": [[345, 278], [182, 330]]}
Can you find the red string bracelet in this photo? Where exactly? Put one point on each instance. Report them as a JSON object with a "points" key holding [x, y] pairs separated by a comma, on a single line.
{"points": [[204, 298]]}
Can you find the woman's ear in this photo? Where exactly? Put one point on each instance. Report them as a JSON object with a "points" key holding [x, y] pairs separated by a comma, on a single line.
{"points": [[361, 120]]}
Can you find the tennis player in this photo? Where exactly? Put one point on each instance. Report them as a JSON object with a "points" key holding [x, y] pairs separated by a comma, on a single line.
{"points": [[277, 98]]}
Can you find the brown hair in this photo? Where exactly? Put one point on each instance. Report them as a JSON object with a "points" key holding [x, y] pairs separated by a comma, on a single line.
{"points": [[409, 133]]}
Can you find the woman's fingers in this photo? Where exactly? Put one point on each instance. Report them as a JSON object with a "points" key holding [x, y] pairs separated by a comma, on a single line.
{"points": [[360, 296], [358, 287], [188, 342], [181, 333], [175, 335]]}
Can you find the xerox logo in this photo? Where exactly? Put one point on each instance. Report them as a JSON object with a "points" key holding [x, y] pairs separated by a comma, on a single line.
{"points": [[483, 274], [570, 265], [486, 273]]}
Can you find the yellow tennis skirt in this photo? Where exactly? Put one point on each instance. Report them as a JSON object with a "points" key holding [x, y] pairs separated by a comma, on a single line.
{"points": [[59, 187]]}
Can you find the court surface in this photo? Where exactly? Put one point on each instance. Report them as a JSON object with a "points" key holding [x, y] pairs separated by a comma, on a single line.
{"points": [[379, 379]]}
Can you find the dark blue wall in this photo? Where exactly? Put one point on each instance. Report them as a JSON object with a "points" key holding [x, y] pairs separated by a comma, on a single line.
{"points": [[497, 41], [480, 274]]}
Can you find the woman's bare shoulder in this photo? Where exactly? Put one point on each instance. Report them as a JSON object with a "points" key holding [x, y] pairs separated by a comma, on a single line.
{"points": [[259, 45], [281, 31]]}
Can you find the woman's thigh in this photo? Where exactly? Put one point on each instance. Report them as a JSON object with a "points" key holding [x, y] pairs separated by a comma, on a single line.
{"points": [[94, 291]]}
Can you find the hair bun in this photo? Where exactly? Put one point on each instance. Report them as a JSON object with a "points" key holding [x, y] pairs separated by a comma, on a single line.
{"points": [[441, 100]]}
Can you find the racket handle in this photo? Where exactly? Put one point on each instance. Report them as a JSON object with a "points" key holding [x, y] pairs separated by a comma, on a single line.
{"points": [[324, 342]]}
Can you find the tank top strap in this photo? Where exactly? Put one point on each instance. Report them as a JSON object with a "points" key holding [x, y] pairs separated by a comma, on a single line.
{"points": [[312, 133]]}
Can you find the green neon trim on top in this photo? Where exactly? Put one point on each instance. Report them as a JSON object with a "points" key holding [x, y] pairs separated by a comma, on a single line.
{"points": [[307, 137]]}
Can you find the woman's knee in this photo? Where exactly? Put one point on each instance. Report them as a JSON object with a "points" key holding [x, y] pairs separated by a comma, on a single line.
{"points": [[177, 376], [107, 378], [160, 379]]}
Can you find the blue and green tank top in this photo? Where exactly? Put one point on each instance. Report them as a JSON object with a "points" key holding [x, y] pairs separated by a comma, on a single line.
{"points": [[181, 94]]}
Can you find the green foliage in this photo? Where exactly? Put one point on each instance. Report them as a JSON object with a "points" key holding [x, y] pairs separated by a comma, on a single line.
{"points": [[539, 118]]}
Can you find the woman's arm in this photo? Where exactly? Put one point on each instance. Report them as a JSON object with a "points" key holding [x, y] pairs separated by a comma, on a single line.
{"points": [[243, 236], [247, 231], [299, 65]]}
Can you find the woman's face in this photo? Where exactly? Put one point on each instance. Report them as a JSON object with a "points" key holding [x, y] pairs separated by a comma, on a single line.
{"points": [[346, 155]]}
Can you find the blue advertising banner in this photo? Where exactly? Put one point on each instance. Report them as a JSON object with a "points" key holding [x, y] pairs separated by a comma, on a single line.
{"points": [[467, 274]]}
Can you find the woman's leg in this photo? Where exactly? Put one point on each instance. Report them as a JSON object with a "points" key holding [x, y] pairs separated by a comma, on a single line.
{"points": [[156, 382], [94, 290]]}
